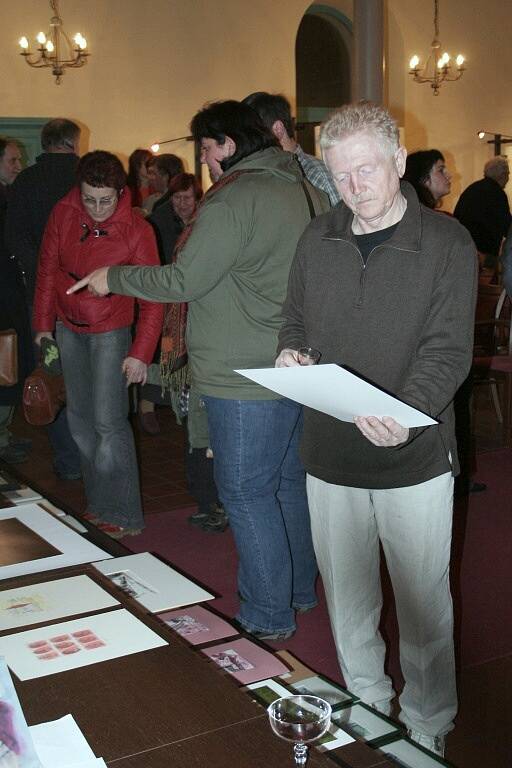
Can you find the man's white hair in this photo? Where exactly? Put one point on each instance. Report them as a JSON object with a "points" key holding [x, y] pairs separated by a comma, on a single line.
{"points": [[364, 116], [496, 168]]}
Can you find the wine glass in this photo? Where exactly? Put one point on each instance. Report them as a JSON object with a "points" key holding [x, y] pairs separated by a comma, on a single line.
{"points": [[300, 719]]}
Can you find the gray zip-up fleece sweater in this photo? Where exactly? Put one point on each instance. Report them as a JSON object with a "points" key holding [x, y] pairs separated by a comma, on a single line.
{"points": [[233, 271], [404, 321]]}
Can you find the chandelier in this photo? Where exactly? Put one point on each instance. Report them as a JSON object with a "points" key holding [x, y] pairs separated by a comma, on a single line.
{"points": [[55, 49], [437, 69]]}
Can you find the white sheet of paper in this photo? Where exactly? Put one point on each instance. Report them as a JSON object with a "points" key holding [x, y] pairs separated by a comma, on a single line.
{"points": [[337, 392], [47, 650], [155, 585], [61, 743], [75, 549], [50, 600]]}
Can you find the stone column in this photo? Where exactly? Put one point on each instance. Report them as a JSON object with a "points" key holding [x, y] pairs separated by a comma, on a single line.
{"points": [[368, 62]]}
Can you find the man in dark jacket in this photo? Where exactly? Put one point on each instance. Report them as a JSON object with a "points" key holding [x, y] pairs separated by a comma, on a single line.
{"points": [[13, 314], [386, 287], [484, 210], [33, 195]]}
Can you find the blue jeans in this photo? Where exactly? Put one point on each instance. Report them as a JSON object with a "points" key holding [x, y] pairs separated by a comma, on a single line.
{"points": [[97, 411], [261, 483]]}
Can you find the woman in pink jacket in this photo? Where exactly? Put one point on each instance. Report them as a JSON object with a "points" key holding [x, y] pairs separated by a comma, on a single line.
{"points": [[94, 226]]}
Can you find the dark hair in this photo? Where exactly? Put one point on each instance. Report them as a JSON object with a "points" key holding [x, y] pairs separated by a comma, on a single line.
{"points": [[168, 164], [271, 107], [5, 141], [236, 120], [417, 170], [59, 134], [101, 169], [184, 181], [136, 159]]}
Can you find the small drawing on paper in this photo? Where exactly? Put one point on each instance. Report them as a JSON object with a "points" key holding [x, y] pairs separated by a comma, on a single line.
{"points": [[19, 606], [186, 625], [65, 645], [131, 584], [231, 661]]}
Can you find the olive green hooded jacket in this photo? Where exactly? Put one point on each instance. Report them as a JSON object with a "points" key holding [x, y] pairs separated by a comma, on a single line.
{"points": [[233, 271]]}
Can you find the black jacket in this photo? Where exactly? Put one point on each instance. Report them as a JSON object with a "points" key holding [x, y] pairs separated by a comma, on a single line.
{"points": [[13, 311], [484, 210], [404, 321], [32, 197]]}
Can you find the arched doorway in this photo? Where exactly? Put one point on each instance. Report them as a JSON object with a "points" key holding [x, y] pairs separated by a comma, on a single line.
{"points": [[323, 68]]}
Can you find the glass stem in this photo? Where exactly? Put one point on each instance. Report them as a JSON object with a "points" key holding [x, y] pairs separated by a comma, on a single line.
{"points": [[300, 753]]}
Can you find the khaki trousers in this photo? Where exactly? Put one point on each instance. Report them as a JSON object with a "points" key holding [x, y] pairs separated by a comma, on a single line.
{"points": [[414, 526]]}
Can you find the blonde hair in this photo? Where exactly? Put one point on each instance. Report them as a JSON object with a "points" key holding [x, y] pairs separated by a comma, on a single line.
{"points": [[356, 118]]}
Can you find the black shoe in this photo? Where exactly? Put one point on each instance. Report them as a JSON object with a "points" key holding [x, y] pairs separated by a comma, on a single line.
{"points": [[13, 455]]}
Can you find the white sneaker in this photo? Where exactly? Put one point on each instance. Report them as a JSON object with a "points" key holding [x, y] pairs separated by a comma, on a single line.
{"points": [[383, 706], [434, 744]]}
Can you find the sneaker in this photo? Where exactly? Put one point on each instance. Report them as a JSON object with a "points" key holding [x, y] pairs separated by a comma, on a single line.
{"points": [[434, 744], [198, 518], [90, 517], [277, 636], [216, 522], [117, 531], [383, 706], [13, 455]]}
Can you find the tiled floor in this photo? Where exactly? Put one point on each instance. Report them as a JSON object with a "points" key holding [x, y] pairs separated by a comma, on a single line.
{"points": [[482, 737]]}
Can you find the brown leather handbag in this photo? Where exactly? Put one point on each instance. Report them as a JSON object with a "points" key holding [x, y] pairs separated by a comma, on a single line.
{"points": [[8, 358], [44, 394]]}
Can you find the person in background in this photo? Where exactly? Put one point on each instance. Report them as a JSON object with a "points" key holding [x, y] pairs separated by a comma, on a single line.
{"points": [[161, 170], [13, 312], [275, 113], [427, 172], [138, 177], [232, 268], [169, 221], [374, 482], [95, 224], [484, 210], [34, 193]]}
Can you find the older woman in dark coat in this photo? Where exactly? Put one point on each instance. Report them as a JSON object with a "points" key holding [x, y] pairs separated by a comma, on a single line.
{"points": [[13, 314]]}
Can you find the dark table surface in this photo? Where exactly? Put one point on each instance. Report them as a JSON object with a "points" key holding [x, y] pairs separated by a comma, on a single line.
{"points": [[168, 706]]}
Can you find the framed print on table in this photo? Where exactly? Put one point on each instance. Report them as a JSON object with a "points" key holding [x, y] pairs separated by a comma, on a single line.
{"points": [[245, 660], [407, 754], [154, 584], [32, 540], [50, 600], [365, 723], [318, 685], [198, 625]]}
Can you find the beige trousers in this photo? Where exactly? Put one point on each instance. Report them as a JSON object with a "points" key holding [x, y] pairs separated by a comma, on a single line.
{"points": [[414, 526]]}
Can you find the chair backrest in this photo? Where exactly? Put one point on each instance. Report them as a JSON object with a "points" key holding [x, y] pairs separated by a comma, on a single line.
{"points": [[493, 320]]}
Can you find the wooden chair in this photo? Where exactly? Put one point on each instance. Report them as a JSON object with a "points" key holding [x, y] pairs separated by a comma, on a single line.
{"points": [[492, 357]]}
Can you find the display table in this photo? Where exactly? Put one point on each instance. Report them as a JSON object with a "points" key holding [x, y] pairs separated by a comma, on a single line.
{"points": [[169, 706]]}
